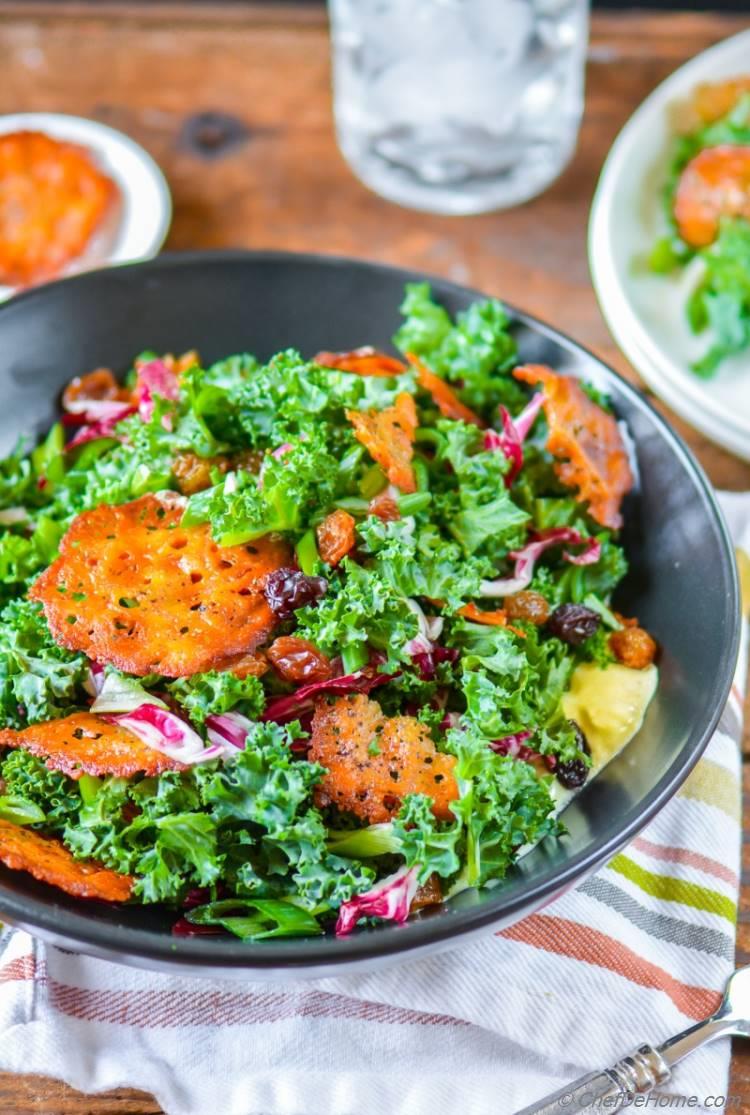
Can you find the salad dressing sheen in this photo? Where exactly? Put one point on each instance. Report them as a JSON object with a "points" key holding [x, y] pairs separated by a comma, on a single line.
{"points": [[609, 704]]}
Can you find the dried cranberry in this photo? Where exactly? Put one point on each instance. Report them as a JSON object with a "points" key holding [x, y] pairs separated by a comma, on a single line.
{"points": [[286, 590], [573, 623], [574, 772]]}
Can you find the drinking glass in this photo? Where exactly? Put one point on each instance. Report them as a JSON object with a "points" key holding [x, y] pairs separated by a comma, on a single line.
{"points": [[458, 106]]}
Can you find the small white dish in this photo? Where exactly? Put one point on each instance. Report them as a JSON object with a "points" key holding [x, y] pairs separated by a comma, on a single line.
{"points": [[646, 312], [145, 205]]}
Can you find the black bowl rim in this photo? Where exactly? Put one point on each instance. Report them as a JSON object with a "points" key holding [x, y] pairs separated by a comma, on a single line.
{"points": [[214, 954]]}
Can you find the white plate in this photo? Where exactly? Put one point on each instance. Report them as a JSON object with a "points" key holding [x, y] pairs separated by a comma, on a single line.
{"points": [[142, 221], [646, 312]]}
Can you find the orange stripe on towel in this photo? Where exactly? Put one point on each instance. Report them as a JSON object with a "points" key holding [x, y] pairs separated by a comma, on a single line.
{"points": [[579, 942]]}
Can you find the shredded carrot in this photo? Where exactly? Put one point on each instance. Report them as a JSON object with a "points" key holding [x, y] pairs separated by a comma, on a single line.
{"points": [[444, 397], [517, 631], [498, 618], [365, 361]]}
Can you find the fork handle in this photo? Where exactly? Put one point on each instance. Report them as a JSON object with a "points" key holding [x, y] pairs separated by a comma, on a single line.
{"points": [[636, 1074]]}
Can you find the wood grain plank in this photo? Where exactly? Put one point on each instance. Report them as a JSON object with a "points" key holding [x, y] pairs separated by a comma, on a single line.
{"points": [[24, 1095], [151, 68]]}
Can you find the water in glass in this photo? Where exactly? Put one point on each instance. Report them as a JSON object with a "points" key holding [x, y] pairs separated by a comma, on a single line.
{"points": [[458, 106]]}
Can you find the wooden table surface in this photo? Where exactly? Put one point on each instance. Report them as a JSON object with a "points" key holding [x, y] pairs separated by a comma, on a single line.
{"points": [[266, 172]]}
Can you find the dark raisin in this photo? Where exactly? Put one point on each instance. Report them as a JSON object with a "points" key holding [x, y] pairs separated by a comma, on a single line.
{"points": [[574, 772], [573, 623], [286, 590]]}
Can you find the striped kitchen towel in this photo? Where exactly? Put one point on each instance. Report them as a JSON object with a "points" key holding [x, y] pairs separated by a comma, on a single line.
{"points": [[634, 953]]}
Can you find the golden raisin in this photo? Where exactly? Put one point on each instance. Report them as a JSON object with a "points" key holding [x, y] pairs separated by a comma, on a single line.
{"points": [[530, 606], [633, 647], [298, 660], [193, 473], [96, 386], [244, 665], [428, 894], [336, 536], [385, 507]]}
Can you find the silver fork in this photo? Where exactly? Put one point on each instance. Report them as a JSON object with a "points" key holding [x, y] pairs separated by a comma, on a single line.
{"points": [[647, 1067]]}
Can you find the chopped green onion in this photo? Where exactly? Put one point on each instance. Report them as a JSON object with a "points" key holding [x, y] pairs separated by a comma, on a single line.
{"points": [[421, 474], [307, 553], [348, 466], [47, 459], [354, 657], [428, 436], [601, 609], [257, 918], [667, 254], [355, 506], [88, 787], [375, 840], [415, 501], [372, 482]]}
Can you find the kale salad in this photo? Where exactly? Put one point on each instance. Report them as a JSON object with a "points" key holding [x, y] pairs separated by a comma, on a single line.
{"points": [[707, 204], [288, 646]]}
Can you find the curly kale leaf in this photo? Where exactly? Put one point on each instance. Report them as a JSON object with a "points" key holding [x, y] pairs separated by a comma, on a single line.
{"points": [[476, 352], [38, 679], [509, 687], [27, 779], [293, 486], [721, 302], [217, 692], [503, 805], [361, 607], [421, 562]]}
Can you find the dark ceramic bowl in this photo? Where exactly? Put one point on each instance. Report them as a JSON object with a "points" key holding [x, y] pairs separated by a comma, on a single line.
{"points": [[682, 582]]}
